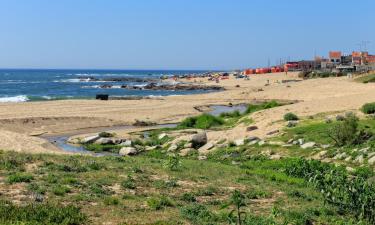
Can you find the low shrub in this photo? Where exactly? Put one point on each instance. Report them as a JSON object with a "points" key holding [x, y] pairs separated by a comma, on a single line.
{"points": [[204, 121], [368, 108], [290, 117], [60, 190], [19, 178], [347, 132], [111, 201], [233, 114], [198, 214], [129, 183], [188, 197], [158, 203], [106, 135], [45, 213], [257, 107]]}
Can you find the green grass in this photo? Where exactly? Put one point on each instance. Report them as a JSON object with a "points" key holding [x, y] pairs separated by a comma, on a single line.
{"points": [[19, 178], [141, 190], [204, 121], [317, 131], [368, 108], [103, 148], [366, 79]]}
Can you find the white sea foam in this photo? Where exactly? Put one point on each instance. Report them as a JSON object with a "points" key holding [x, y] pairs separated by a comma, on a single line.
{"points": [[18, 98]]}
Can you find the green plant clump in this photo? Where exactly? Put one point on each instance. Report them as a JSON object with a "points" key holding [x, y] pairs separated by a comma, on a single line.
{"points": [[19, 178], [204, 121], [368, 108], [290, 117], [45, 213]]}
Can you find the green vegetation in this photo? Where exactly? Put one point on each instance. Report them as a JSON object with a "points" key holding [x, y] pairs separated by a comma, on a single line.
{"points": [[129, 189], [227, 119], [347, 132], [347, 193], [366, 79], [105, 135], [45, 213], [103, 148], [368, 108], [204, 121], [290, 117], [258, 107], [19, 177]]}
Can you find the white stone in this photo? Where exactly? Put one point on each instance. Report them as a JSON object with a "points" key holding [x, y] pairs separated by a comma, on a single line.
{"points": [[239, 142], [205, 148], [91, 139], [359, 159], [261, 143], [186, 151], [172, 148], [308, 145], [301, 141], [162, 135], [202, 157], [371, 161], [126, 143], [128, 151]]}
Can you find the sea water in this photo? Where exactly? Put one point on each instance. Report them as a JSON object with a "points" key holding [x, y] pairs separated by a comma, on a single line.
{"points": [[21, 85]]}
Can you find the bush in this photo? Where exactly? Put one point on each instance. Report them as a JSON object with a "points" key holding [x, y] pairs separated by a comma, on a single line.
{"points": [[40, 214], [159, 203], [346, 132], [19, 178], [198, 214], [233, 114], [105, 135], [265, 105], [290, 117], [60, 190], [188, 197], [129, 183], [203, 121], [369, 108], [111, 201]]}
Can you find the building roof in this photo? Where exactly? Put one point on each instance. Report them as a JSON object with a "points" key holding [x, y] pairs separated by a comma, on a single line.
{"points": [[334, 54]]}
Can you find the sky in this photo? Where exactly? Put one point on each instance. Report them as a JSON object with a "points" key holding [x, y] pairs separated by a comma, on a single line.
{"points": [[178, 34]]}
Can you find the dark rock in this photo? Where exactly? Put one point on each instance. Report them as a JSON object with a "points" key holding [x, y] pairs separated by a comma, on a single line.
{"points": [[199, 140], [141, 123], [251, 128], [273, 132]]}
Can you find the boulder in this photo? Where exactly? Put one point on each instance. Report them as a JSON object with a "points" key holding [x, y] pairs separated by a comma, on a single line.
{"points": [[275, 157], [359, 159], [90, 140], [308, 145], [325, 146], [253, 138], [188, 145], [162, 135], [104, 141], [292, 123], [301, 141], [251, 128], [199, 140], [202, 157], [348, 159], [128, 151], [239, 142], [290, 141], [126, 143], [340, 117], [204, 149], [328, 120], [364, 150], [371, 161], [276, 143], [273, 132], [150, 148]]}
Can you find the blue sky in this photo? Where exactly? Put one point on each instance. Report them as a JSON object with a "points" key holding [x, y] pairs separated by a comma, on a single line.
{"points": [[178, 34]]}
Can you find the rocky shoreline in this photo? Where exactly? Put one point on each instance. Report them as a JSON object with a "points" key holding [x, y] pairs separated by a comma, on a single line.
{"points": [[167, 86]]}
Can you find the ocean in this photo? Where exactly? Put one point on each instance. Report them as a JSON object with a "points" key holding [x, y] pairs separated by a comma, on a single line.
{"points": [[21, 85]]}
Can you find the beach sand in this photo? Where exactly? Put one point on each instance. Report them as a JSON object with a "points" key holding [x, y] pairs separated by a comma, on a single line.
{"points": [[21, 122]]}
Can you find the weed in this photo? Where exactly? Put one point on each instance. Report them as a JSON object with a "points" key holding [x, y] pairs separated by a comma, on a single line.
{"points": [[368, 108], [290, 117], [19, 178], [158, 203]]}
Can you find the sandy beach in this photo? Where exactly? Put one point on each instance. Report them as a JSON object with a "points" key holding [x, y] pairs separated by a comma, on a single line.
{"points": [[21, 123]]}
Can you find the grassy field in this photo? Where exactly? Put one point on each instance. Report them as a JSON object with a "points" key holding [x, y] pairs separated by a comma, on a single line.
{"points": [[156, 189]]}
